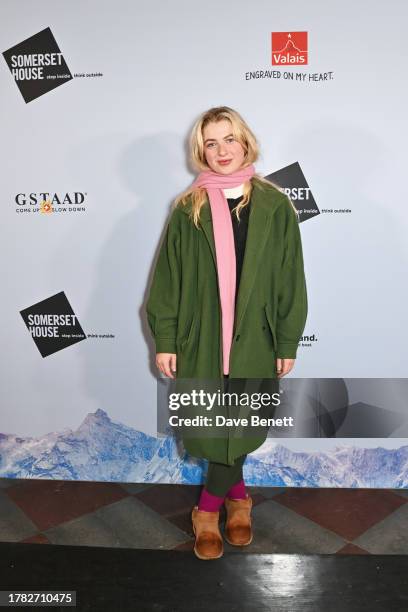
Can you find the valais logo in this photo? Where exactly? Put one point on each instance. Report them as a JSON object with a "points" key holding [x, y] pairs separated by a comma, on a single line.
{"points": [[289, 48]]}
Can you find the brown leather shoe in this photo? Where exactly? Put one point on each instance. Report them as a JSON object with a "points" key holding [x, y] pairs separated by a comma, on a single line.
{"points": [[209, 543], [238, 530]]}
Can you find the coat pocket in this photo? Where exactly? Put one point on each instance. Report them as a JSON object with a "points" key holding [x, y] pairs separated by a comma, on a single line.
{"points": [[271, 326], [186, 339]]}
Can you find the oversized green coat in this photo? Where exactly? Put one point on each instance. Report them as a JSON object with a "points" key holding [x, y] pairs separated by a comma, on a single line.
{"points": [[183, 306]]}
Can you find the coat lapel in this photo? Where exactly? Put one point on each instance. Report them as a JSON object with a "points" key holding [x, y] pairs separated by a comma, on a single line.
{"points": [[258, 228], [206, 224]]}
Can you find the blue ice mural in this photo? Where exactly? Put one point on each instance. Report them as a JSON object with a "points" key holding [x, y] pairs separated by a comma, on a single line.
{"points": [[104, 450]]}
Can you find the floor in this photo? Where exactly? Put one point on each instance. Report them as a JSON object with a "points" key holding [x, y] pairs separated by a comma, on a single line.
{"points": [[134, 580], [157, 516]]}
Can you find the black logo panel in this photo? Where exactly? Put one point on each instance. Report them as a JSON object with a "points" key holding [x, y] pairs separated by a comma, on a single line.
{"points": [[53, 324], [37, 65], [292, 181]]}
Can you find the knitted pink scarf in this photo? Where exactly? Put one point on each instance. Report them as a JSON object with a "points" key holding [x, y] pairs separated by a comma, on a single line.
{"points": [[214, 183]]}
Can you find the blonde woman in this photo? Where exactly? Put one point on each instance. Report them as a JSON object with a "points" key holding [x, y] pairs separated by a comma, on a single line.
{"points": [[228, 301]]}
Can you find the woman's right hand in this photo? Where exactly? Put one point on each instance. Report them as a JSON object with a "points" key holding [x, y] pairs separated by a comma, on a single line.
{"points": [[166, 362]]}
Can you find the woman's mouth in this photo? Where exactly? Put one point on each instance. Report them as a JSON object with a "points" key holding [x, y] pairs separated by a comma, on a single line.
{"points": [[224, 162]]}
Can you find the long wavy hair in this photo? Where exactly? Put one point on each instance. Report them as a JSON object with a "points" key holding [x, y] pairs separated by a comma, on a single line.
{"points": [[243, 135]]}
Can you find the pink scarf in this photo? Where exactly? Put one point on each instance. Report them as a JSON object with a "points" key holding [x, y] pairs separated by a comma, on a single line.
{"points": [[214, 183]]}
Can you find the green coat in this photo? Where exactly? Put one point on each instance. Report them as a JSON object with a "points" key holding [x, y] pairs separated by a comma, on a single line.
{"points": [[183, 306]]}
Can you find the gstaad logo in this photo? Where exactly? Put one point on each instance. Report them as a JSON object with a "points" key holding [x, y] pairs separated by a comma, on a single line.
{"points": [[289, 48], [46, 202], [37, 65]]}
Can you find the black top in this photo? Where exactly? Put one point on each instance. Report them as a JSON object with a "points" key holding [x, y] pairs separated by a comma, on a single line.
{"points": [[240, 229]]}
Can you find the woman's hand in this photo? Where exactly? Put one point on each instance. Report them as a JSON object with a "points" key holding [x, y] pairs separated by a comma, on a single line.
{"points": [[166, 362], [283, 366]]}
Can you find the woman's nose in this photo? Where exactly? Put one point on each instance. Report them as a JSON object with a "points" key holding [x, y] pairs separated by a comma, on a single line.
{"points": [[221, 149]]}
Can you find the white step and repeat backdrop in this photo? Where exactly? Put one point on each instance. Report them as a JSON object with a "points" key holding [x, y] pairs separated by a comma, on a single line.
{"points": [[97, 100]]}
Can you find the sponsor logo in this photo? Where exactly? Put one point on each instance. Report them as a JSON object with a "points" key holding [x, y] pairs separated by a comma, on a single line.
{"points": [[289, 55], [48, 203], [37, 65], [308, 340], [53, 324], [292, 182], [289, 49]]}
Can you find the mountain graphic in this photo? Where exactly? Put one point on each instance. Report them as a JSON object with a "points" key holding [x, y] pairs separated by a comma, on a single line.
{"points": [[99, 450], [290, 47], [104, 450]]}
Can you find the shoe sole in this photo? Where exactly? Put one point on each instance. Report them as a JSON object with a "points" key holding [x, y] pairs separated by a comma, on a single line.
{"points": [[235, 544], [205, 558]]}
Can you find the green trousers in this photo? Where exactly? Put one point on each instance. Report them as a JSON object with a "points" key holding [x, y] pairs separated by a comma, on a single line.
{"points": [[221, 477]]}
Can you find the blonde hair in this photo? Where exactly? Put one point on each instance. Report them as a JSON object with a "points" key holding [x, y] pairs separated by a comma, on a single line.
{"points": [[243, 135]]}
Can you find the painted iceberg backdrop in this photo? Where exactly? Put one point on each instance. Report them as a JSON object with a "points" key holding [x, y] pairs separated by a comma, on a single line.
{"points": [[105, 450]]}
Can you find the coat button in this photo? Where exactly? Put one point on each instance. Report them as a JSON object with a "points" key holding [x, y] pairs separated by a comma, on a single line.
{"points": [[237, 338]]}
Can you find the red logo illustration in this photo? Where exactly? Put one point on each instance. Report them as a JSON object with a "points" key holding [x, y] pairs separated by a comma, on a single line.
{"points": [[289, 48]]}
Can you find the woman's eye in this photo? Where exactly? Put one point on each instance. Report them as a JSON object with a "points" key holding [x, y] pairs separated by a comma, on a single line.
{"points": [[229, 140]]}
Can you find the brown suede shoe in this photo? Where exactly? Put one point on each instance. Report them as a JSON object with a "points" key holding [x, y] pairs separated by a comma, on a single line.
{"points": [[209, 543], [238, 530]]}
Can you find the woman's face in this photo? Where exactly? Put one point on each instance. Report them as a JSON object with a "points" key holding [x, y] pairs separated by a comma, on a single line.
{"points": [[222, 152]]}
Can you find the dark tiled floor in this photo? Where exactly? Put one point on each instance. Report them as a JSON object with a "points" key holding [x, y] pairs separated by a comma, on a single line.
{"points": [[285, 520]]}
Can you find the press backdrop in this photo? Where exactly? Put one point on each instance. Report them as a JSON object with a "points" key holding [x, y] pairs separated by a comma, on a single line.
{"points": [[97, 101]]}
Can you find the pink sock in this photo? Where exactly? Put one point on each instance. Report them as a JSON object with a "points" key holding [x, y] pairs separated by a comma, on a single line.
{"points": [[237, 491], [209, 502]]}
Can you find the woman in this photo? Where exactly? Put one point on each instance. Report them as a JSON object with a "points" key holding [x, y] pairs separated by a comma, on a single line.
{"points": [[228, 301]]}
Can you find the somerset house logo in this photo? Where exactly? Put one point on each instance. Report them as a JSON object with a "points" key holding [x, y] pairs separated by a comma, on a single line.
{"points": [[37, 65], [53, 324], [289, 48], [292, 181]]}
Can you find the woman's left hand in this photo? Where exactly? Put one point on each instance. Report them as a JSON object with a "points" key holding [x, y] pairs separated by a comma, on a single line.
{"points": [[283, 366]]}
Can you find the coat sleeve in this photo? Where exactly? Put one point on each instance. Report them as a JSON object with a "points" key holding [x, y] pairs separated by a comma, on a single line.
{"points": [[292, 299], [162, 306]]}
